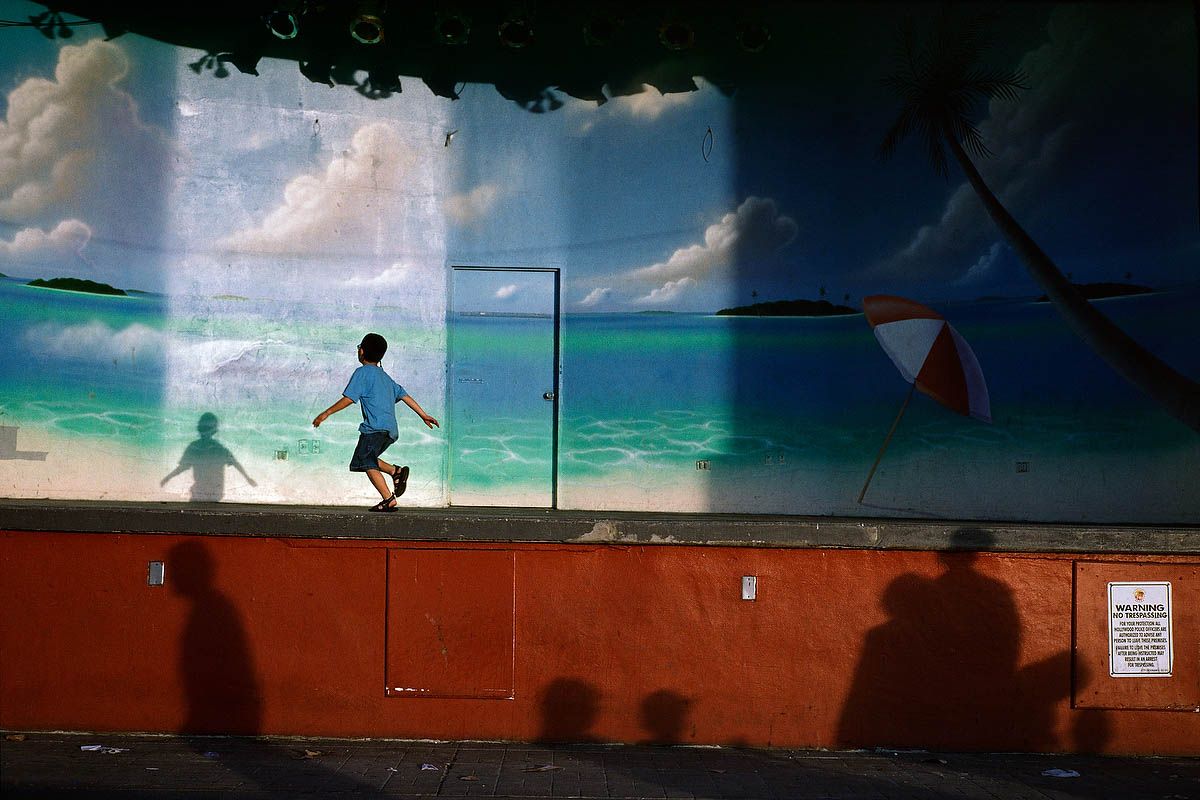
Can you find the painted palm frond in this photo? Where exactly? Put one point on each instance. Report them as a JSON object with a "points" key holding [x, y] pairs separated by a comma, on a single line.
{"points": [[941, 88]]}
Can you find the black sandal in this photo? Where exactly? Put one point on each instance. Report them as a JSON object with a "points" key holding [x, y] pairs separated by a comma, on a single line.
{"points": [[400, 479], [382, 505]]}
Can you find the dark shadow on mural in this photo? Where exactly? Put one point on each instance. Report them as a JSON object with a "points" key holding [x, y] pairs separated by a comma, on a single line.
{"points": [[207, 458], [625, 45], [942, 671], [942, 82], [880, 91]]}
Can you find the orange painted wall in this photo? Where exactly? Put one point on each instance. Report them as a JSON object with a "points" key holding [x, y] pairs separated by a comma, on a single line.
{"points": [[842, 648]]}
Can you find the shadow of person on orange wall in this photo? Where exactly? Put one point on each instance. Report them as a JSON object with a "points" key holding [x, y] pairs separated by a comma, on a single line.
{"points": [[224, 720], [1091, 728], [942, 671], [890, 678], [569, 708], [664, 715], [215, 661]]}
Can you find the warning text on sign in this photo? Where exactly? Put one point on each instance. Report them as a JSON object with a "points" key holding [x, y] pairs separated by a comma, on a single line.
{"points": [[1139, 629]]}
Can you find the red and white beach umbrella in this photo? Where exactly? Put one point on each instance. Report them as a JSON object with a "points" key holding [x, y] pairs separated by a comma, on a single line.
{"points": [[930, 355]]}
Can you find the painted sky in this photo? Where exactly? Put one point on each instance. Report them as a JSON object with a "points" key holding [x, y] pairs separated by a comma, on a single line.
{"points": [[119, 163]]}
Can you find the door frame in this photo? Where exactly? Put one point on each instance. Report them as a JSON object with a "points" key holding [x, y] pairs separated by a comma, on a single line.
{"points": [[556, 388]]}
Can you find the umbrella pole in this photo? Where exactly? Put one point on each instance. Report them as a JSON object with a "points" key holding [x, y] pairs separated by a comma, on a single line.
{"points": [[886, 442]]}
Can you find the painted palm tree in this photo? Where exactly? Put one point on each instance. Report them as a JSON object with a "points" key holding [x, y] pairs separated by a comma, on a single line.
{"points": [[941, 85]]}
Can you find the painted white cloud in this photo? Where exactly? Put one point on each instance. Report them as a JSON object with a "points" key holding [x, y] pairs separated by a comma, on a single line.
{"points": [[595, 297], [667, 293], [79, 133], [756, 229], [195, 361], [650, 103], [470, 207], [982, 269], [393, 277], [344, 209], [507, 292], [33, 247], [646, 106]]}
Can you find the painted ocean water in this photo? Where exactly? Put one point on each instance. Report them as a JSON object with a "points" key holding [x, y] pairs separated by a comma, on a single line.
{"points": [[786, 415], [671, 412], [116, 389]]}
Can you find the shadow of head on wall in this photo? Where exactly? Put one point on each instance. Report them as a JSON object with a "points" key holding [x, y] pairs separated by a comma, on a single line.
{"points": [[207, 458], [569, 708], [664, 716], [965, 546]]}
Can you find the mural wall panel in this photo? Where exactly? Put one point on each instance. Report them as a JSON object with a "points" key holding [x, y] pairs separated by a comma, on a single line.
{"points": [[212, 249]]}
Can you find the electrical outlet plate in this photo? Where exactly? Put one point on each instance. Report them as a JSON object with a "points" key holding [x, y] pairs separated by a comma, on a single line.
{"points": [[749, 587]]}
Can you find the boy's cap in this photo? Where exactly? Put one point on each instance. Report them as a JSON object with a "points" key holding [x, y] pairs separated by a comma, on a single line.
{"points": [[373, 346]]}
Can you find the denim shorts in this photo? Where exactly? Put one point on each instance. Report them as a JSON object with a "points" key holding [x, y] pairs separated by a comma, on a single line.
{"points": [[370, 447]]}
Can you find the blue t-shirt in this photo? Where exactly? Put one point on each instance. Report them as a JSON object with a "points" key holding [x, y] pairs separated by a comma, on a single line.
{"points": [[376, 394]]}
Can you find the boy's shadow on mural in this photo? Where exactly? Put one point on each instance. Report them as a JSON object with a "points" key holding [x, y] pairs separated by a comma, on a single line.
{"points": [[207, 459], [944, 668]]}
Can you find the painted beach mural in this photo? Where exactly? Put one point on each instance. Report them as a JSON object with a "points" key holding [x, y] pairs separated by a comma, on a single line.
{"points": [[945, 268]]}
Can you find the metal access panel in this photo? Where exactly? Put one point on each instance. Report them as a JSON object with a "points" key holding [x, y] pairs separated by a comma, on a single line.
{"points": [[450, 623], [1103, 625]]}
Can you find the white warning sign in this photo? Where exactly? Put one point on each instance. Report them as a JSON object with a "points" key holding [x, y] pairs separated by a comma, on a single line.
{"points": [[1139, 630]]}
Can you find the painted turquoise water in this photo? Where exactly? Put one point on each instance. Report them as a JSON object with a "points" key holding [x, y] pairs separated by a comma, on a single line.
{"points": [[799, 406], [64, 368], [135, 375], [647, 399]]}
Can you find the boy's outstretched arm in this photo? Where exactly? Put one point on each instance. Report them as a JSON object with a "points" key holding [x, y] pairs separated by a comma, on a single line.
{"points": [[333, 409], [178, 470], [415, 406], [241, 469]]}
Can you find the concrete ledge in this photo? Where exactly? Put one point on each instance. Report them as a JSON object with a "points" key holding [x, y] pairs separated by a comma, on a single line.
{"points": [[463, 524]]}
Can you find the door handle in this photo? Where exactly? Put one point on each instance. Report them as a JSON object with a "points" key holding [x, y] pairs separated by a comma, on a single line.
{"points": [[549, 395]]}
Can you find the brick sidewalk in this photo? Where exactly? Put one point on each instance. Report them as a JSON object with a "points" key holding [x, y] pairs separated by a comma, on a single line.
{"points": [[54, 765]]}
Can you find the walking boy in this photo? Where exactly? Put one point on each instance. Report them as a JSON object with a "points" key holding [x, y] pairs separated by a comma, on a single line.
{"points": [[377, 395]]}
